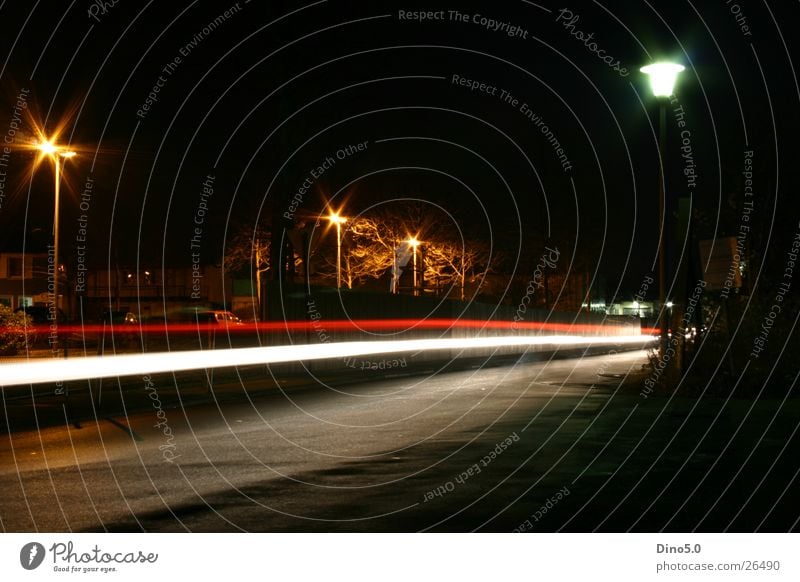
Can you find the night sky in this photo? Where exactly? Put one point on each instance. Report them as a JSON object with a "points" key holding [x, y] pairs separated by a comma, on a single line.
{"points": [[161, 98]]}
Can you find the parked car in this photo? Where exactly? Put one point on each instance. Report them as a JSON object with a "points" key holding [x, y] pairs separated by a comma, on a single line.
{"points": [[218, 317], [120, 317], [219, 324], [125, 326]]}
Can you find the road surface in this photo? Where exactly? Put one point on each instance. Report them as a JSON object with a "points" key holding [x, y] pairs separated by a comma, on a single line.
{"points": [[563, 445]]}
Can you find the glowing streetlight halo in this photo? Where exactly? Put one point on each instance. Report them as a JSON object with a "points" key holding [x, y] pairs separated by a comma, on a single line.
{"points": [[663, 76], [336, 218], [47, 147]]}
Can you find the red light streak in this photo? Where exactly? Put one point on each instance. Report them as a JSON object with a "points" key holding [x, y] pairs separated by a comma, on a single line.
{"points": [[354, 325]]}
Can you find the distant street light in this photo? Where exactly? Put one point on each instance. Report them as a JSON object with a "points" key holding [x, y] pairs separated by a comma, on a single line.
{"points": [[55, 153], [662, 81], [338, 221], [414, 243]]}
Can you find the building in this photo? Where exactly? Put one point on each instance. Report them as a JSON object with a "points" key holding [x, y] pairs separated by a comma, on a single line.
{"points": [[23, 279], [151, 292]]}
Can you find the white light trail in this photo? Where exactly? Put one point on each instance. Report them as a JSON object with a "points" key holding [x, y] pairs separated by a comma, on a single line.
{"points": [[82, 368]]}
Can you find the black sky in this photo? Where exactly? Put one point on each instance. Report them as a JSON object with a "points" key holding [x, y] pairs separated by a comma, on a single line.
{"points": [[270, 92]]}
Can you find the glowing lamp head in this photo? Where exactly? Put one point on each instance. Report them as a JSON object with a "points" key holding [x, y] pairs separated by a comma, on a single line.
{"points": [[413, 242], [662, 77], [335, 218], [47, 147]]}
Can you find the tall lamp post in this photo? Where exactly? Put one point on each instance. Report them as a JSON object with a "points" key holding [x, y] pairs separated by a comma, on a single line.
{"points": [[414, 243], [662, 81], [55, 153], [338, 221]]}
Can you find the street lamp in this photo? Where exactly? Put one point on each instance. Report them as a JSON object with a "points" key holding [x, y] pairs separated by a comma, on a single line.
{"points": [[662, 81], [414, 243], [662, 77], [338, 221], [55, 153]]}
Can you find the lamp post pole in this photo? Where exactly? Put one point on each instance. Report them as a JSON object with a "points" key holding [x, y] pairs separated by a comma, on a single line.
{"points": [[338, 220], [414, 244], [662, 80], [57, 164], [54, 152], [338, 255], [416, 289], [662, 260]]}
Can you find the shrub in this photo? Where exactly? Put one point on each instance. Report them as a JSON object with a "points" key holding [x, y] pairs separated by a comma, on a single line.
{"points": [[12, 331]]}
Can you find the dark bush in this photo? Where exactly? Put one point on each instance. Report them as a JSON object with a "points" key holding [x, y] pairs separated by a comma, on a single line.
{"points": [[12, 331]]}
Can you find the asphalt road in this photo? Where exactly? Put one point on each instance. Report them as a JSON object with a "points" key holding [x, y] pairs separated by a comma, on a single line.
{"points": [[557, 446]]}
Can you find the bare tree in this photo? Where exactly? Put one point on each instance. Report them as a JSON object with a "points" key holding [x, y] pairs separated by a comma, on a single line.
{"points": [[247, 253], [371, 241], [453, 264], [367, 251]]}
